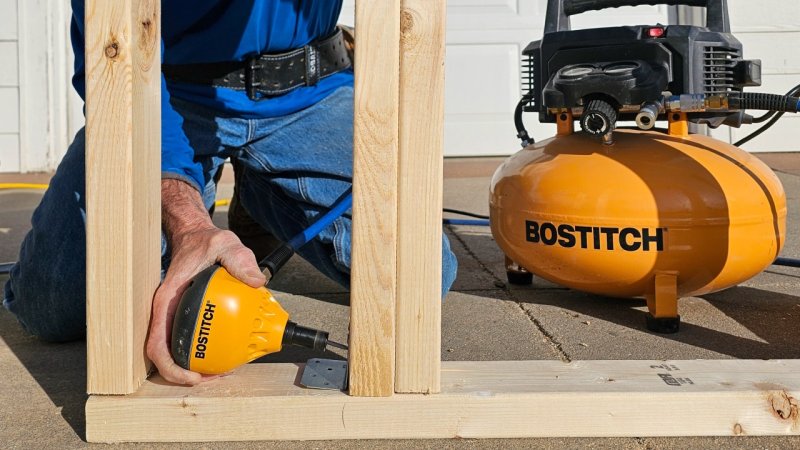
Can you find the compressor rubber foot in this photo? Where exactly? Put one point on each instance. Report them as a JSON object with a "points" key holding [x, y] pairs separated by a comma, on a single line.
{"points": [[519, 277], [517, 274], [663, 325]]}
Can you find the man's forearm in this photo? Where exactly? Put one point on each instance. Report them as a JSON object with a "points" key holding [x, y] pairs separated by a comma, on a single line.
{"points": [[182, 209]]}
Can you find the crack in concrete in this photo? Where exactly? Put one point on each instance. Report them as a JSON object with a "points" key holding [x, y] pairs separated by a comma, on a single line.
{"points": [[554, 344], [558, 349]]}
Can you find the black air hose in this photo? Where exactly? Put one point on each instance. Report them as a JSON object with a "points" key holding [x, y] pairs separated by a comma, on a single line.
{"points": [[767, 102]]}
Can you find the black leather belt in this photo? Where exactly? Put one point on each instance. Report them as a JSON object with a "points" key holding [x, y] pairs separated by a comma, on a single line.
{"points": [[269, 74]]}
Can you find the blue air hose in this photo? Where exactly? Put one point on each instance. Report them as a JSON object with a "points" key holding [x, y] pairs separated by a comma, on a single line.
{"points": [[480, 223], [275, 260], [788, 262], [343, 204]]}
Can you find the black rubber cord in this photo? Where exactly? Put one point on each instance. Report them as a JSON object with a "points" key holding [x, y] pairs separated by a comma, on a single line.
{"points": [[522, 133], [465, 213], [793, 92], [758, 132]]}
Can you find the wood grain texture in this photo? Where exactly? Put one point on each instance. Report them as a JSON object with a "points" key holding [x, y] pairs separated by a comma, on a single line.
{"points": [[478, 400], [123, 218], [374, 245], [419, 251]]}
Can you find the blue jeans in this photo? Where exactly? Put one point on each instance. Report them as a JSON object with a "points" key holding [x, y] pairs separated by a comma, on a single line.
{"points": [[294, 168]]}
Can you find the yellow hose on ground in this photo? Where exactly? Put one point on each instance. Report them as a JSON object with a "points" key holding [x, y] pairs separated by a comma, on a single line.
{"points": [[22, 186]]}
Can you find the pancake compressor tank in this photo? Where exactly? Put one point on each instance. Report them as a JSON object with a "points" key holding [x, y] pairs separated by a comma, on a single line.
{"points": [[658, 214]]}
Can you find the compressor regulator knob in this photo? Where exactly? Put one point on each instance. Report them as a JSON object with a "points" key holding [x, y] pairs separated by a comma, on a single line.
{"points": [[599, 117]]}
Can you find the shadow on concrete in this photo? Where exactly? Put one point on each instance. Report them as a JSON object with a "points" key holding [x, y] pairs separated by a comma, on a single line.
{"points": [[59, 369], [766, 314], [763, 328], [770, 315], [783, 274]]}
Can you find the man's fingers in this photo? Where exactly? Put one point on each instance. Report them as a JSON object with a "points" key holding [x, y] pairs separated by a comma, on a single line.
{"points": [[241, 263], [158, 352], [204, 249], [164, 304], [173, 372]]}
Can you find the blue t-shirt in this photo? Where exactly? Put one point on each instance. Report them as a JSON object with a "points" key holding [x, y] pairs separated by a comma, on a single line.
{"points": [[205, 31]]}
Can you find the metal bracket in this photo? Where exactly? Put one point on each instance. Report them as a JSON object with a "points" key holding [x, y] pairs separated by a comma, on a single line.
{"points": [[325, 374]]}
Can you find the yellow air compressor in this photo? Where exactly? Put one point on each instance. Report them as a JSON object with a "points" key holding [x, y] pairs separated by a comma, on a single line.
{"points": [[638, 212]]}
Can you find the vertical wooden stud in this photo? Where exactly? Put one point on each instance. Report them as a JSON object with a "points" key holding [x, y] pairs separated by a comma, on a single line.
{"points": [[419, 252], [374, 245], [123, 218]]}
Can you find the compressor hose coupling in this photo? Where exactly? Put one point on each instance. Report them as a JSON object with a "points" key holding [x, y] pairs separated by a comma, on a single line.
{"points": [[646, 118]]}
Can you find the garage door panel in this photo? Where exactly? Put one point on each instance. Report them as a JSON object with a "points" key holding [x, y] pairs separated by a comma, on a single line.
{"points": [[9, 110], [9, 69], [752, 16], [777, 51], [482, 136], [481, 79], [8, 19], [9, 153]]}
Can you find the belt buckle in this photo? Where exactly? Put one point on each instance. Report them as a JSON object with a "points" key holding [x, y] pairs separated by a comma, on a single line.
{"points": [[251, 83]]}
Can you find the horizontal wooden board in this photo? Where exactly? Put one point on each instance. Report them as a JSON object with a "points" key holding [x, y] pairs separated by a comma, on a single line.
{"points": [[478, 400]]}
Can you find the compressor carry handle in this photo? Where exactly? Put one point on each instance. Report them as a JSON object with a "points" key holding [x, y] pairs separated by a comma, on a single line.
{"points": [[558, 11]]}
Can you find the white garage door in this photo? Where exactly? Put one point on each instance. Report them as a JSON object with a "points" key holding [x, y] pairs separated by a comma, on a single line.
{"points": [[484, 41]]}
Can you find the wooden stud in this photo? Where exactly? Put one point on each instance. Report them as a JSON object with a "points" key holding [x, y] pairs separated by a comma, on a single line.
{"points": [[478, 400], [374, 245], [123, 218], [419, 251]]}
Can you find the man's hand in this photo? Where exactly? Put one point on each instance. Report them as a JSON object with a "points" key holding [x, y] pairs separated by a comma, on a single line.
{"points": [[195, 244]]}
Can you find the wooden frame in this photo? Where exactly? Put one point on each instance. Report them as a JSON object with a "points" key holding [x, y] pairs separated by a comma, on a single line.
{"points": [[395, 314], [123, 205]]}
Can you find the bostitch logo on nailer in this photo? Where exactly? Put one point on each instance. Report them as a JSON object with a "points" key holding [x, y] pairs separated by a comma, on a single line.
{"points": [[205, 329], [628, 239]]}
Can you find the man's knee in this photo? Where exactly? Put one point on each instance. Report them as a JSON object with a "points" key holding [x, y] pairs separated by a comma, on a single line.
{"points": [[43, 310]]}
